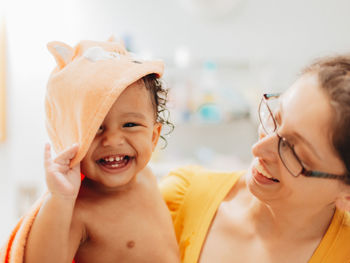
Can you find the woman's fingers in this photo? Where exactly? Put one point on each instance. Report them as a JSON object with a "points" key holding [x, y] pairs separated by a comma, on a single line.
{"points": [[67, 155]]}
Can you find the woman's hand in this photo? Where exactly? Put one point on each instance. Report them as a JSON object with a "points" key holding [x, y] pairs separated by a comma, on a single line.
{"points": [[62, 180]]}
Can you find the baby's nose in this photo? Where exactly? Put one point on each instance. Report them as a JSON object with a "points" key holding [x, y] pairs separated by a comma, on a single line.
{"points": [[113, 139]]}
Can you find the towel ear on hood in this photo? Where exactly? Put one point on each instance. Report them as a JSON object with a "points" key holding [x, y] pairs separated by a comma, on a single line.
{"points": [[111, 39], [62, 52]]}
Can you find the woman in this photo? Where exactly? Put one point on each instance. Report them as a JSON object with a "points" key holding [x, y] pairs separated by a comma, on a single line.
{"points": [[289, 206]]}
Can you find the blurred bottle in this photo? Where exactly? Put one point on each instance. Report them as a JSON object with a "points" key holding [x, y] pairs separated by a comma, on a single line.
{"points": [[206, 97]]}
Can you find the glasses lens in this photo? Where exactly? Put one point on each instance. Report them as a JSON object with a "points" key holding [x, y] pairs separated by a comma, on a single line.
{"points": [[289, 158], [266, 118]]}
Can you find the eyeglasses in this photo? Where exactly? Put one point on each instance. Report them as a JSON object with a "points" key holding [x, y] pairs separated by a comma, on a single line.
{"points": [[286, 152]]}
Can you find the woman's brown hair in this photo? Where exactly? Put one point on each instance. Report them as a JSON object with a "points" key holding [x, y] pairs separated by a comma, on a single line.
{"points": [[334, 78]]}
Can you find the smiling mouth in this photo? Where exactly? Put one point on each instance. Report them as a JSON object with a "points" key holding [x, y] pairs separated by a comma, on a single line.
{"points": [[263, 172], [114, 161]]}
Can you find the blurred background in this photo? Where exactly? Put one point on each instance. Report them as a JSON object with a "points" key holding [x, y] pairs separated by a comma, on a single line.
{"points": [[220, 56]]}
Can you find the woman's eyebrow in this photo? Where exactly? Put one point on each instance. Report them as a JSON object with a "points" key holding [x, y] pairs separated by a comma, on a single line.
{"points": [[301, 138]]}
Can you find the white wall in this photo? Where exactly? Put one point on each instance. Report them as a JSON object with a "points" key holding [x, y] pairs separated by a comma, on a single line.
{"points": [[275, 37]]}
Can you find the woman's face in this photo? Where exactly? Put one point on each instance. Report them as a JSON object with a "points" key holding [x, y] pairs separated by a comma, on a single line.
{"points": [[304, 118]]}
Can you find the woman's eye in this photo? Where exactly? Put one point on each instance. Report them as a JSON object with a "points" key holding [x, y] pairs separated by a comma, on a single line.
{"points": [[306, 162], [129, 124], [277, 116]]}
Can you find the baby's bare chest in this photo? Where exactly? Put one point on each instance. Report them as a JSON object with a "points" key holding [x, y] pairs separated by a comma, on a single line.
{"points": [[126, 232], [126, 238]]}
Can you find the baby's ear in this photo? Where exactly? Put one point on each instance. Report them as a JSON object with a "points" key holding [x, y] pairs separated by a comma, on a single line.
{"points": [[61, 52], [156, 134]]}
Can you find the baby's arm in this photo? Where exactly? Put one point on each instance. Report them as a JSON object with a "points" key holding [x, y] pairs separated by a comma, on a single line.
{"points": [[53, 236]]}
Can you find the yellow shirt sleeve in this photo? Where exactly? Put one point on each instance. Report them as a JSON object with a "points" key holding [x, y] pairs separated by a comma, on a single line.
{"points": [[193, 195], [174, 188]]}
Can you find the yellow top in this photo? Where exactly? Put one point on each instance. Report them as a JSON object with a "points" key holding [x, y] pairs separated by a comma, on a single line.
{"points": [[193, 195]]}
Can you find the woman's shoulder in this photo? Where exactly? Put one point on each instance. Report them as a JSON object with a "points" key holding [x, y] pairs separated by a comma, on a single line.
{"points": [[193, 181], [334, 246], [187, 174], [193, 195], [180, 180], [343, 228]]}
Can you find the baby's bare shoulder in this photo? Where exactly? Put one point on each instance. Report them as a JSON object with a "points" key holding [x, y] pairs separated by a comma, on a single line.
{"points": [[148, 180]]}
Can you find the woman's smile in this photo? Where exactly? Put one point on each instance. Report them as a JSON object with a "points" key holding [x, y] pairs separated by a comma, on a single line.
{"points": [[261, 176]]}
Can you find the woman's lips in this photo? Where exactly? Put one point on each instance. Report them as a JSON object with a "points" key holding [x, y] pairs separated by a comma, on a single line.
{"points": [[261, 175], [260, 178]]}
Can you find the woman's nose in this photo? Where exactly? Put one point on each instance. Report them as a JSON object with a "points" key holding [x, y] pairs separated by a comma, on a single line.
{"points": [[113, 139], [267, 145]]}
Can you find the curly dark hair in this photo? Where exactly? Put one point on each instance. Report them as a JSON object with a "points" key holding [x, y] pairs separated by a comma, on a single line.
{"points": [[159, 96], [334, 78]]}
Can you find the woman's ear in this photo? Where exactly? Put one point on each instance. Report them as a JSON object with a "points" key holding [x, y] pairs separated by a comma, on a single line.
{"points": [[343, 201]]}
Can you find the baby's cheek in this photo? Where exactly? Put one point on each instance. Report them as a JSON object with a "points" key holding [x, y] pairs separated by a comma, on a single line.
{"points": [[146, 156]]}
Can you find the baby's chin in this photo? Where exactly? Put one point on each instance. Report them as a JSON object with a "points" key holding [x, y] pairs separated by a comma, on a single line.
{"points": [[108, 177]]}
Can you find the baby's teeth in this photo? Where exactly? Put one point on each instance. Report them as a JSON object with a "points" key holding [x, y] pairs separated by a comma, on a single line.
{"points": [[115, 165], [111, 159]]}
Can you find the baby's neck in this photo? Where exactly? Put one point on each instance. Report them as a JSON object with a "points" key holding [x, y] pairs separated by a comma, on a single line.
{"points": [[93, 187]]}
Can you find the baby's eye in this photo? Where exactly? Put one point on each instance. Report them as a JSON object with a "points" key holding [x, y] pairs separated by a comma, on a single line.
{"points": [[130, 124], [100, 129]]}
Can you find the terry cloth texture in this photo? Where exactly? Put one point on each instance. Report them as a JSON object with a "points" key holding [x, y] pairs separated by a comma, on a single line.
{"points": [[81, 90]]}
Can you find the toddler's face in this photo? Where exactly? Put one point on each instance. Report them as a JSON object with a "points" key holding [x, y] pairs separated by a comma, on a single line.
{"points": [[125, 141]]}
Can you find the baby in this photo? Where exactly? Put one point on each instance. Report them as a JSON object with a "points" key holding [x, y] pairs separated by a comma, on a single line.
{"points": [[104, 118]]}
